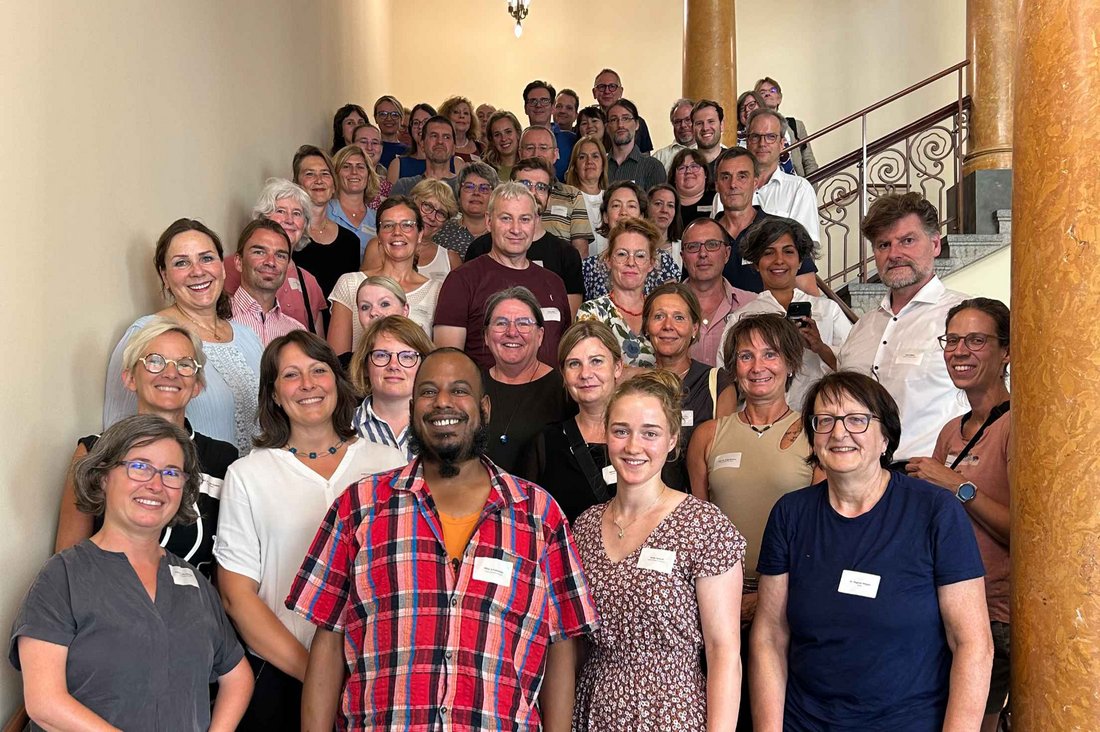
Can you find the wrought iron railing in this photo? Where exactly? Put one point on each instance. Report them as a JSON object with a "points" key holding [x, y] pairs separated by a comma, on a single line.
{"points": [[925, 156]]}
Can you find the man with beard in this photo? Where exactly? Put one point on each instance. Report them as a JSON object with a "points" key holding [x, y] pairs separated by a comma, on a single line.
{"points": [[625, 160], [707, 117], [682, 132], [896, 342], [447, 593], [437, 140]]}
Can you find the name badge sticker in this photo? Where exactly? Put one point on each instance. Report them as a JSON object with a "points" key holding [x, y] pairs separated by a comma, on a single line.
{"points": [[537, 261], [657, 560], [493, 571], [910, 358], [609, 475], [294, 284], [551, 314], [687, 418], [860, 584], [183, 576], [728, 460], [211, 486], [559, 211]]}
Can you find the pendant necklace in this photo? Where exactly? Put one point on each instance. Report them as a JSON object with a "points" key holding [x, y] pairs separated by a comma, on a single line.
{"points": [[519, 405], [623, 527], [760, 430]]}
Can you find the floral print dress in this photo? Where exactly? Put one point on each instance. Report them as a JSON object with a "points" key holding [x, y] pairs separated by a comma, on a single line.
{"points": [[637, 350]]}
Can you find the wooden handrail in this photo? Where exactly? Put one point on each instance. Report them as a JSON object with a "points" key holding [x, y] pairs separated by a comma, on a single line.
{"points": [[882, 103], [882, 143]]}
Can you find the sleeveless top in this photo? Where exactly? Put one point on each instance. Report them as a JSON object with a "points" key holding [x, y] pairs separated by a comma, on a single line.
{"points": [[439, 267], [748, 473]]}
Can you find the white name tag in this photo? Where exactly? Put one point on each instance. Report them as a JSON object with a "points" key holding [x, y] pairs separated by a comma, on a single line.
{"points": [[658, 560], [183, 576], [910, 358], [705, 209], [727, 460], [968, 460], [211, 486], [610, 476], [687, 418], [551, 314], [559, 211], [746, 262], [294, 284], [537, 261], [493, 571], [858, 583]]}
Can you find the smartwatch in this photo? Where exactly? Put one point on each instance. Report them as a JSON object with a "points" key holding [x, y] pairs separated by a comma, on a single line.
{"points": [[966, 492]]}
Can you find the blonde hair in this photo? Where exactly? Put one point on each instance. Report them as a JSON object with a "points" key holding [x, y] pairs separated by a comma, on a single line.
{"points": [[156, 327], [451, 103], [634, 225], [582, 330], [373, 183], [571, 176], [662, 385], [437, 189]]}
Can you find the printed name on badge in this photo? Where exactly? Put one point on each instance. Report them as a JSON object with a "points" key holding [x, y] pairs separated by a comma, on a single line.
{"points": [[687, 418], [610, 476], [493, 571], [294, 284], [183, 576], [211, 486], [558, 211], [910, 358], [537, 261], [551, 314], [658, 560], [728, 460], [859, 583]]}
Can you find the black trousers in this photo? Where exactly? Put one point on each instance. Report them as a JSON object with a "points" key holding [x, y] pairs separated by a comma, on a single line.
{"points": [[276, 703]]}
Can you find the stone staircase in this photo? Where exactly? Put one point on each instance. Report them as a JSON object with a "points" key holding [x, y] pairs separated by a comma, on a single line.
{"points": [[958, 251]]}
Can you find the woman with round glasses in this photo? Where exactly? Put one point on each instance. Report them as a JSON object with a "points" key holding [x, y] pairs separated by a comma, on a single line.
{"points": [[971, 461], [475, 184], [872, 575], [369, 139], [630, 255], [115, 632], [383, 368], [689, 174], [163, 365], [274, 500], [356, 186], [747, 103], [400, 228], [388, 113], [525, 394], [188, 260]]}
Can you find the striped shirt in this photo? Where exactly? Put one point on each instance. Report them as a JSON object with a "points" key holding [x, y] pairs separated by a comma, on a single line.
{"points": [[431, 645], [373, 428], [566, 215], [268, 326]]}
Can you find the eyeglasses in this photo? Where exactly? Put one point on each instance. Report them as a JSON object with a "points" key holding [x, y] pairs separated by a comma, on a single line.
{"points": [[768, 90], [381, 358], [683, 122], [478, 187], [523, 325], [624, 120], [154, 363], [856, 423], [530, 150], [428, 209], [534, 185], [538, 102], [973, 341], [711, 245], [143, 472], [689, 168], [604, 88], [622, 255], [769, 137], [388, 115], [407, 226]]}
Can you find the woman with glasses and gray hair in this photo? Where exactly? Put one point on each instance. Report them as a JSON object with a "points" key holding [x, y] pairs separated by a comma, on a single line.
{"points": [[525, 394], [115, 631], [873, 575], [475, 184], [163, 365]]}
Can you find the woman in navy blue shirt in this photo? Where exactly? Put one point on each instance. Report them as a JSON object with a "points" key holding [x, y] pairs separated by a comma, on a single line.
{"points": [[871, 612]]}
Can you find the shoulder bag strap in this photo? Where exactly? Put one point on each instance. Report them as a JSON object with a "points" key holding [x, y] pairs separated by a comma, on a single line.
{"points": [[305, 298], [579, 448], [994, 414]]}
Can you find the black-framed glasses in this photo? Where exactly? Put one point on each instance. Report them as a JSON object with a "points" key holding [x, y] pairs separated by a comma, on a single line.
{"points": [[607, 87], [768, 137], [856, 423], [973, 341], [143, 472], [534, 185], [428, 209], [478, 187], [381, 358], [711, 245], [538, 102], [689, 168], [154, 363], [523, 325]]}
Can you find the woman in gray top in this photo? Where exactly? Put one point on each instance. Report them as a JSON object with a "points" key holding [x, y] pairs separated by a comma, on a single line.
{"points": [[115, 632]]}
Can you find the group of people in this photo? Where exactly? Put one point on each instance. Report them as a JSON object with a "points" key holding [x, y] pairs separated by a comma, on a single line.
{"points": [[449, 443]]}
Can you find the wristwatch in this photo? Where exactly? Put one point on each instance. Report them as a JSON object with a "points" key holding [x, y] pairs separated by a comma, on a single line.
{"points": [[966, 492]]}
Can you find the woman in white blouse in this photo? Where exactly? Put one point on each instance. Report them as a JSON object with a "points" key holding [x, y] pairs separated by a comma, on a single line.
{"points": [[272, 503]]}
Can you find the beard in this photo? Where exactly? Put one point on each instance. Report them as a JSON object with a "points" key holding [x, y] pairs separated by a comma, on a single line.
{"points": [[451, 457], [905, 278]]}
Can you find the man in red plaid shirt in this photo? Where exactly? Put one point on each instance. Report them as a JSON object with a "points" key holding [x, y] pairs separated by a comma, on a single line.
{"points": [[446, 594]]}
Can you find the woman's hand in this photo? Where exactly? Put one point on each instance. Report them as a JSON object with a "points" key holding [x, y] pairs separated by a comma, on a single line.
{"points": [[934, 471], [811, 336]]}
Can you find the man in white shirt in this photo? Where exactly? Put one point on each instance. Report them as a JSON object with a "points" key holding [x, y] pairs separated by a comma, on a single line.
{"points": [[896, 343], [779, 193], [682, 132]]}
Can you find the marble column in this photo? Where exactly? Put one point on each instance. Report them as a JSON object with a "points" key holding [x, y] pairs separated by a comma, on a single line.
{"points": [[710, 70], [991, 48], [1056, 369]]}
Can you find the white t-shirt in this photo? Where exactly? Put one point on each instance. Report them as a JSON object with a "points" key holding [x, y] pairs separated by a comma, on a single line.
{"points": [[271, 508], [421, 301], [592, 202]]}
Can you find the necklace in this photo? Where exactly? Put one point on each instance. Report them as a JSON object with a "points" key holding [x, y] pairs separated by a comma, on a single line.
{"points": [[319, 231], [314, 455], [761, 429], [213, 330], [631, 313], [621, 527], [519, 405]]}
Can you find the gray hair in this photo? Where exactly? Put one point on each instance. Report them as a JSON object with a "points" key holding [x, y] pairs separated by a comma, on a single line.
{"points": [[511, 191], [545, 129], [156, 327], [682, 101], [276, 189], [520, 293], [768, 112], [90, 472], [480, 169]]}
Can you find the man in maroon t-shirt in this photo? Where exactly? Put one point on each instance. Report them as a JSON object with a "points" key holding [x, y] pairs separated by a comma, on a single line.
{"points": [[460, 310]]}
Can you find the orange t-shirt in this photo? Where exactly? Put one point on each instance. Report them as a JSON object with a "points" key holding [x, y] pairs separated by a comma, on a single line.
{"points": [[457, 531]]}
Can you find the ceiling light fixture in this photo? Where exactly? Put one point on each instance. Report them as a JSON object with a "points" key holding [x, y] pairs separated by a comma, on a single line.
{"points": [[518, 10]]}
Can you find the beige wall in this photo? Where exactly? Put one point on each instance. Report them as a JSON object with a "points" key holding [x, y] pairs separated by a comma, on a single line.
{"points": [[988, 277], [118, 117]]}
